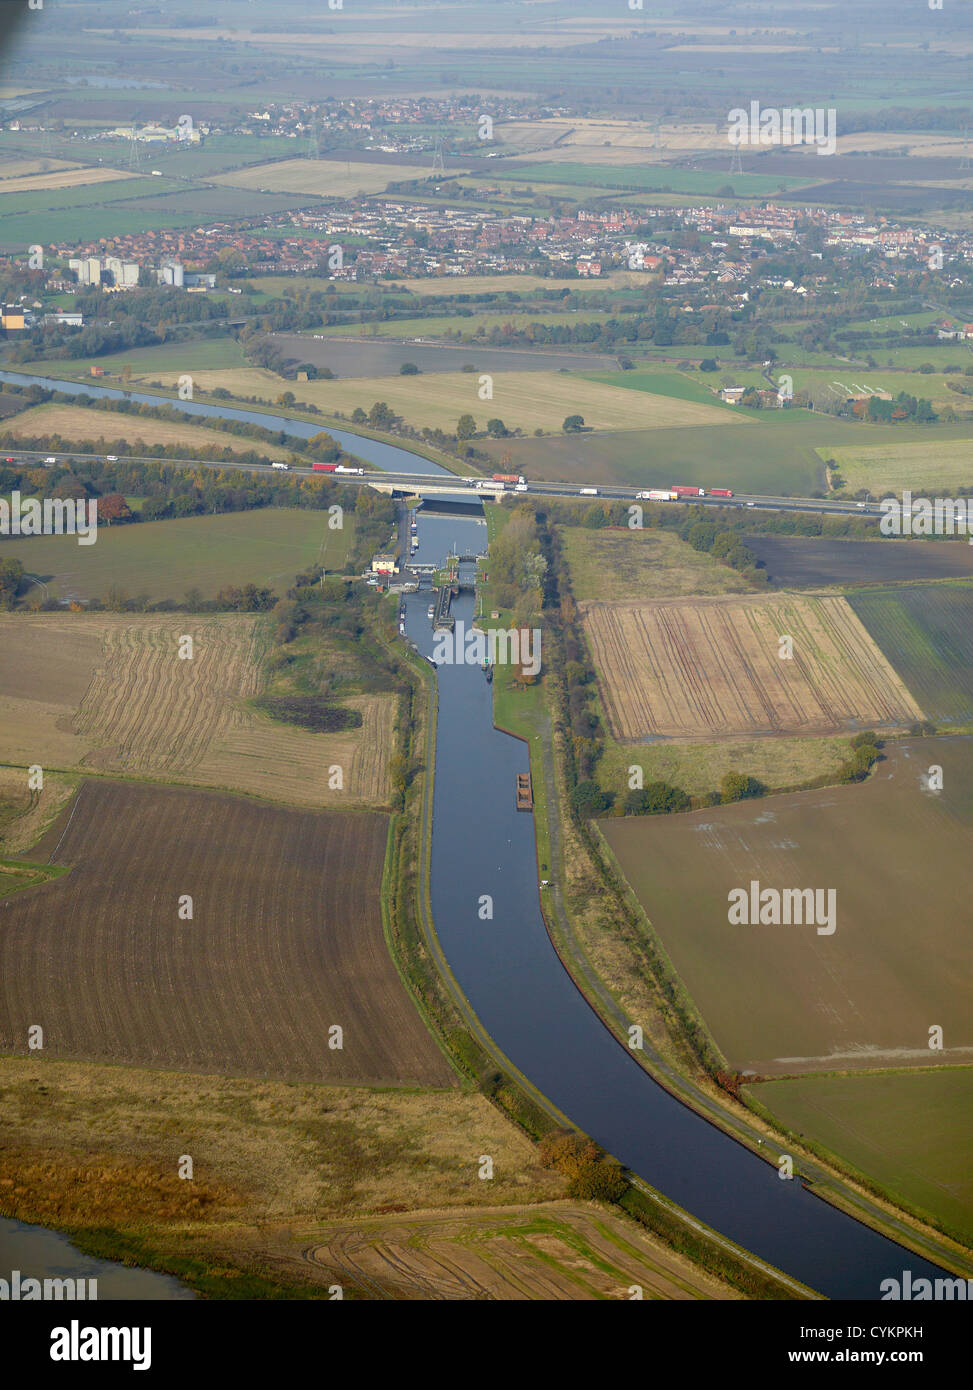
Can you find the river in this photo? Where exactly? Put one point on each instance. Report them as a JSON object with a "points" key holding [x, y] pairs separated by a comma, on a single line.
{"points": [[42, 1254]]}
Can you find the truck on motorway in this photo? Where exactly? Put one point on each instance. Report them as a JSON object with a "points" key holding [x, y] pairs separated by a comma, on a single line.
{"points": [[682, 491], [588, 492], [324, 467], [506, 478], [341, 468], [656, 494], [285, 466], [720, 492]]}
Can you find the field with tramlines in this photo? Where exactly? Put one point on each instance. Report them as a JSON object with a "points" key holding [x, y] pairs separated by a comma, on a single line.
{"points": [[285, 941], [109, 693], [712, 667], [926, 631]]}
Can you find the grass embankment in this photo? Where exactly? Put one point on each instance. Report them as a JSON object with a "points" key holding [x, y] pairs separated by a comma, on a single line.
{"points": [[894, 1132]]}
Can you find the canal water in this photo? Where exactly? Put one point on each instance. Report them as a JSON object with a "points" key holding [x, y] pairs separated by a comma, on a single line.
{"points": [[526, 1001], [516, 983], [41, 1254]]}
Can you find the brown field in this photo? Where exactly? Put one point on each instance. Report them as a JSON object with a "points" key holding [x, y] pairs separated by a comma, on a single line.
{"points": [[522, 399], [636, 142], [16, 166], [558, 1251], [322, 177], [115, 697], [285, 940], [790, 999], [74, 422], [710, 667], [65, 177], [291, 1182]]}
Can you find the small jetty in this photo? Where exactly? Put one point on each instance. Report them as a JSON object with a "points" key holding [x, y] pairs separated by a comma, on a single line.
{"points": [[525, 795]]}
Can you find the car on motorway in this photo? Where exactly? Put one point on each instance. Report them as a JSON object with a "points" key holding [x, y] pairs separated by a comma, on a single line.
{"points": [[749, 504], [111, 458], [520, 487], [9, 460]]}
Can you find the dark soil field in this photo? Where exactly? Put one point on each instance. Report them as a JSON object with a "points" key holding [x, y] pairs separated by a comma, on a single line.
{"points": [[791, 560], [784, 999], [903, 197], [926, 631], [352, 356], [285, 941]]}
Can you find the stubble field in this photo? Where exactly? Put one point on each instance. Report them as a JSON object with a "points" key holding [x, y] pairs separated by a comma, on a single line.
{"points": [[108, 693], [285, 941], [522, 399], [711, 667]]}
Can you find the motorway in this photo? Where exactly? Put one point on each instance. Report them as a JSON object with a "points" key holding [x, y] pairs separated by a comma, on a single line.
{"points": [[425, 484]]}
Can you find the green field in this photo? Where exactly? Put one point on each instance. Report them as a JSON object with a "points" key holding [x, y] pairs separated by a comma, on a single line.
{"points": [[908, 463], [910, 1132], [790, 999], [142, 214], [776, 452], [698, 768], [609, 566], [196, 354], [846, 380], [926, 631], [665, 383], [660, 177], [43, 200], [164, 559]]}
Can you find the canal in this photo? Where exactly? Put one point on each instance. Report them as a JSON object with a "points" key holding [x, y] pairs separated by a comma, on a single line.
{"points": [[514, 979], [527, 1002]]}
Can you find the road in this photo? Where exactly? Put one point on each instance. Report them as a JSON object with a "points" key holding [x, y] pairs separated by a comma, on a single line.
{"points": [[418, 483]]}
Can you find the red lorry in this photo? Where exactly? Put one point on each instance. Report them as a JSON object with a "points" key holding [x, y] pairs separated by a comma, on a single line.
{"points": [[688, 491], [324, 467], [506, 478], [720, 492]]}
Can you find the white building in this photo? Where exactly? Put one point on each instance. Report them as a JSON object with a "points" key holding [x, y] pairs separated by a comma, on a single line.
{"points": [[171, 273]]}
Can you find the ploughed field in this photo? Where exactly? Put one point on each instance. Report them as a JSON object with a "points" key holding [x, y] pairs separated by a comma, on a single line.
{"points": [[553, 1252], [285, 941], [813, 560], [712, 666], [784, 999]]}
